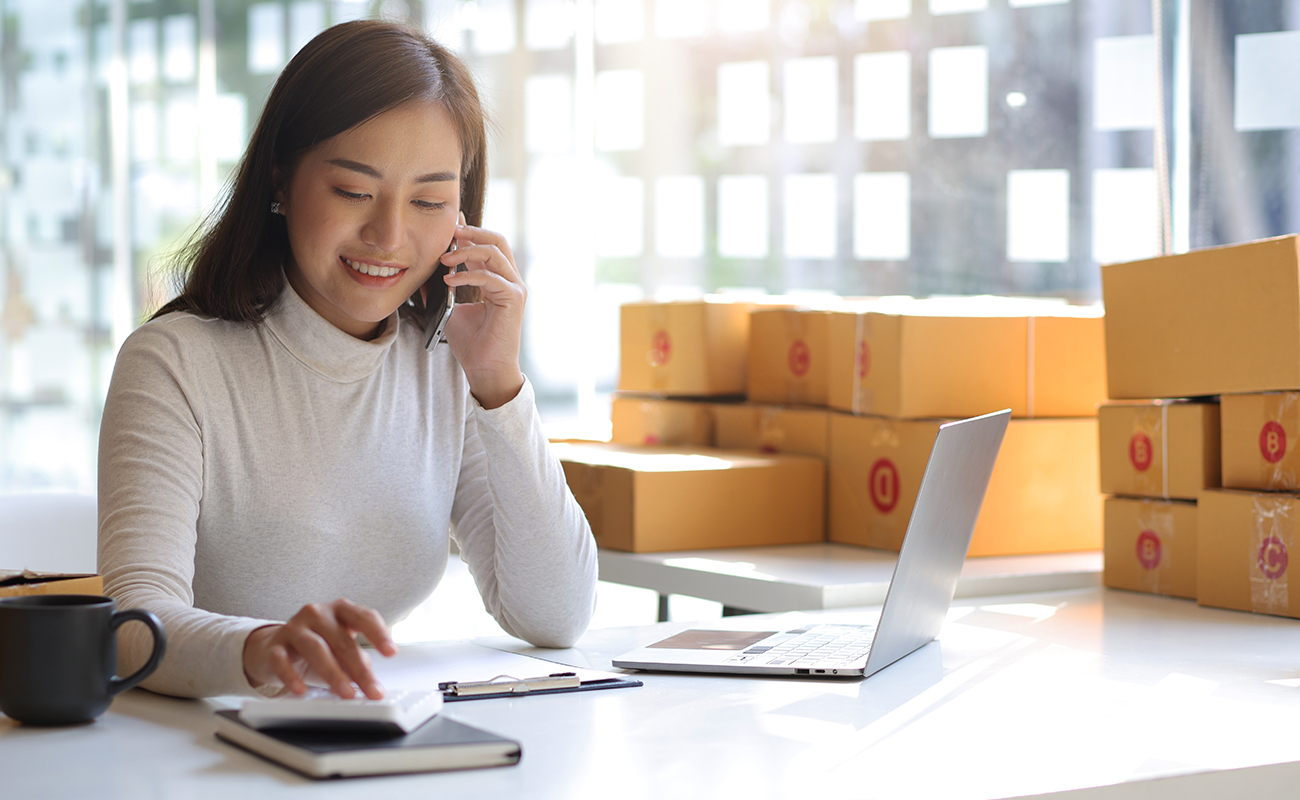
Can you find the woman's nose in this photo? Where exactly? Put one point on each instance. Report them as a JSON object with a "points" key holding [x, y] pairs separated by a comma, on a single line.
{"points": [[383, 228]]}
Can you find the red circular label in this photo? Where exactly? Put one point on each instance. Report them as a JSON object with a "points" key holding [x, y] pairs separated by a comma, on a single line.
{"points": [[799, 358], [1139, 451], [1272, 559], [1272, 442], [1148, 549], [864, 359], [651, 438], [884, 485], [661, 348]]}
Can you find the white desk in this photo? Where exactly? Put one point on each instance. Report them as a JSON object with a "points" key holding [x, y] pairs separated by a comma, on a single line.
{"points": [[1055, 692], [825, 575]]}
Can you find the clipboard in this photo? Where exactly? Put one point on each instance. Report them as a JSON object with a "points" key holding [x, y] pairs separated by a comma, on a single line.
{"points": [[508, 686]]}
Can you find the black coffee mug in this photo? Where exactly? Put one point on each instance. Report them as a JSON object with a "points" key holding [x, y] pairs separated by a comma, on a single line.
{"points": [[58, 656]]}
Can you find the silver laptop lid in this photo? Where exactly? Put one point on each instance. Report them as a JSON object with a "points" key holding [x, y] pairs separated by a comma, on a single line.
{"points": [[938, 536]]}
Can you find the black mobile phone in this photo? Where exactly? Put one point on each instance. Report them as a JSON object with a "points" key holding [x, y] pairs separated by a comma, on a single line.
{"points": [[439, 300]]}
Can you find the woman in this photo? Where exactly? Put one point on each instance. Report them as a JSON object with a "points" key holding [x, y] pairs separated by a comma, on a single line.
{"points": [[277, 436]]}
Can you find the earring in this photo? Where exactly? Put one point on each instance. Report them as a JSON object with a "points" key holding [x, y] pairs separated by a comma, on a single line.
{"points": [[275, 207]]}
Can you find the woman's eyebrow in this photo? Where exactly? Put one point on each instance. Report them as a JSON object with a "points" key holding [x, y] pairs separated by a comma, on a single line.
{"points": [[371, 172]]}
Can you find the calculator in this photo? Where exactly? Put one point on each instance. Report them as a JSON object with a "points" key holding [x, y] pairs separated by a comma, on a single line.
{"points": [[321, 708]]}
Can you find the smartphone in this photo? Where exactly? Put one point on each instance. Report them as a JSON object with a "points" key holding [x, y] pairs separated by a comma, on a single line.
{"points": [[439, 300]]}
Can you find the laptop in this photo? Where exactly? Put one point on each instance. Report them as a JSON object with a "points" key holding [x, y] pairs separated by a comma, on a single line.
{"points": [[920, 592]]}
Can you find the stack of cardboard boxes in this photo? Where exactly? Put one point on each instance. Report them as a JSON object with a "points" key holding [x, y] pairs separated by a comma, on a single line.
{"points": [[1221, 322], [858, 391]]}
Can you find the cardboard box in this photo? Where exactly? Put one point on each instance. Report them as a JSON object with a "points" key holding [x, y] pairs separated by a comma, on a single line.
{"points": [[934, 362], [651, 420], [652, 499], [772, 429], [1216, 321], [17, 583], [1243, 552], [1150, 546], [695, 348], [1261, 434], [1166, 449], [789, 356], [1041, 498]]}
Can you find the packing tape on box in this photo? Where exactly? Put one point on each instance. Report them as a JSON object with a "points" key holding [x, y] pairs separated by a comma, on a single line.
{"points": [[863, 399], [1279, 410], [798, 359], [1154, 549], [771, 436], [1029, 367], [1151, 427], [660, 349], [1271, 541], [1164, 450]]}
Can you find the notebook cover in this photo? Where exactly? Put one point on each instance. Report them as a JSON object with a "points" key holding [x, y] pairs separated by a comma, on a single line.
{"points": [[439, 744]]}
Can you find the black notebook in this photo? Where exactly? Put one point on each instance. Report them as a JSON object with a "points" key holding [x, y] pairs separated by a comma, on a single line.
{"points": [[439, 744]]}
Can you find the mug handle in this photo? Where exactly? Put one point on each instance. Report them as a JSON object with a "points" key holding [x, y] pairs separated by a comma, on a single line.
{"points": [[117, 685]]}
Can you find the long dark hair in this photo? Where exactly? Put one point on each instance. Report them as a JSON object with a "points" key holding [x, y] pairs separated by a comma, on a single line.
{"points": [[231, 268]]}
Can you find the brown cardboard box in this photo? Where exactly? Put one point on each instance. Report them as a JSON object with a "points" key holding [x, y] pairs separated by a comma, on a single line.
{"points": [[789, 356], [17, 583], [1150, 546], [651, 499], [653, 420], [933, 362], [772, 429], [695, 348], [1261, 434], [1041, 498], [1215, 321], [1165, 449], [1244, 546]]}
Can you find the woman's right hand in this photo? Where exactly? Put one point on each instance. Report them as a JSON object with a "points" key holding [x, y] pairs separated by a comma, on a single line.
{"points": [[320, 643]]}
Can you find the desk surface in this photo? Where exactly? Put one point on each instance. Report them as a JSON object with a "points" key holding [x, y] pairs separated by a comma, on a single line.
{"points": [[825, 575], [1023, 695]]}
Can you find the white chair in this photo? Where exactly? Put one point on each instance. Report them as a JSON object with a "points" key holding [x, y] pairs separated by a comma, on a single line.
{"points": [[48, 532]]}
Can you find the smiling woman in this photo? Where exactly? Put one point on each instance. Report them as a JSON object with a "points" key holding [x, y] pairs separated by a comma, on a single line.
{"points": [[281, 459]]}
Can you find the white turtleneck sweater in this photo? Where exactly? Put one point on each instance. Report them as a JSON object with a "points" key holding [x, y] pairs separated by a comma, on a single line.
{"points": [[245, 471]]}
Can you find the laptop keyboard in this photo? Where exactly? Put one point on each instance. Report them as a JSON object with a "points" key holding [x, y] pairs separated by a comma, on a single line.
{"points": [[823, 646]]}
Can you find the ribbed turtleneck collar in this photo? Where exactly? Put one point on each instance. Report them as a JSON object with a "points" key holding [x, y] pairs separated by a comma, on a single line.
{"points": [[320, 346]]}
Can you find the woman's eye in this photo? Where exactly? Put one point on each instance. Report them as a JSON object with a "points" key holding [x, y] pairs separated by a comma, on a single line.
{"points": [[349, 195], [429, 205]]}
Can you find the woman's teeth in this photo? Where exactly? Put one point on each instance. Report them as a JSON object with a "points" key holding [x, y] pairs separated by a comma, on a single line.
{"points": [[371, 269]]}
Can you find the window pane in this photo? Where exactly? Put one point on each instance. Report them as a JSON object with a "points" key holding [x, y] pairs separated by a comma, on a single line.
{"points": [[265, 38], [959, 91], [549, 24], [1124, 84], [619, 215], [882, 9], [1267, 74], [548, 113], [179, 39], [499, 208], [882, 95], [306, 19], [494, 29], [1124, 215], [811, 99], [143, 36], [810, 216], [182, 130], [678, 19], [744, 15], [744, 103], [957, 6], [882, 216], [679, 216], [620, 109], [1038, 215], [619, 21], [742, 216]]}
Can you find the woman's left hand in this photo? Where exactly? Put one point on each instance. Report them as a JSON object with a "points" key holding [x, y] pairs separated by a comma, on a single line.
{"points": [[485, 336]]}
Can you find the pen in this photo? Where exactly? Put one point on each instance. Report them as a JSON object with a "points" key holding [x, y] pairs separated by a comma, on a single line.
{"points": [[505, 684]]}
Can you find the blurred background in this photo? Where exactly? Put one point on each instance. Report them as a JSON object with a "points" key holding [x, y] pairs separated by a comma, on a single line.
{"points": [[652, 148]]}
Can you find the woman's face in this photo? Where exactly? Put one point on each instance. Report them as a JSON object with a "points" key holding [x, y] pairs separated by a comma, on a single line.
{"points": [[369, 212]]}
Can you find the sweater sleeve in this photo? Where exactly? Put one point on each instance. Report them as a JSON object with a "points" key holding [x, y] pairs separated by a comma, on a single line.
{"points": [[150, 488], [523, 535]]}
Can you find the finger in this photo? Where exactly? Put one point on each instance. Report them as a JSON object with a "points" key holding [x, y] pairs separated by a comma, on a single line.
{"points": [[370, 624], [347, 651], [283, 667], [320, 657], [483, 256], [472, 235], [493, 288]]}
